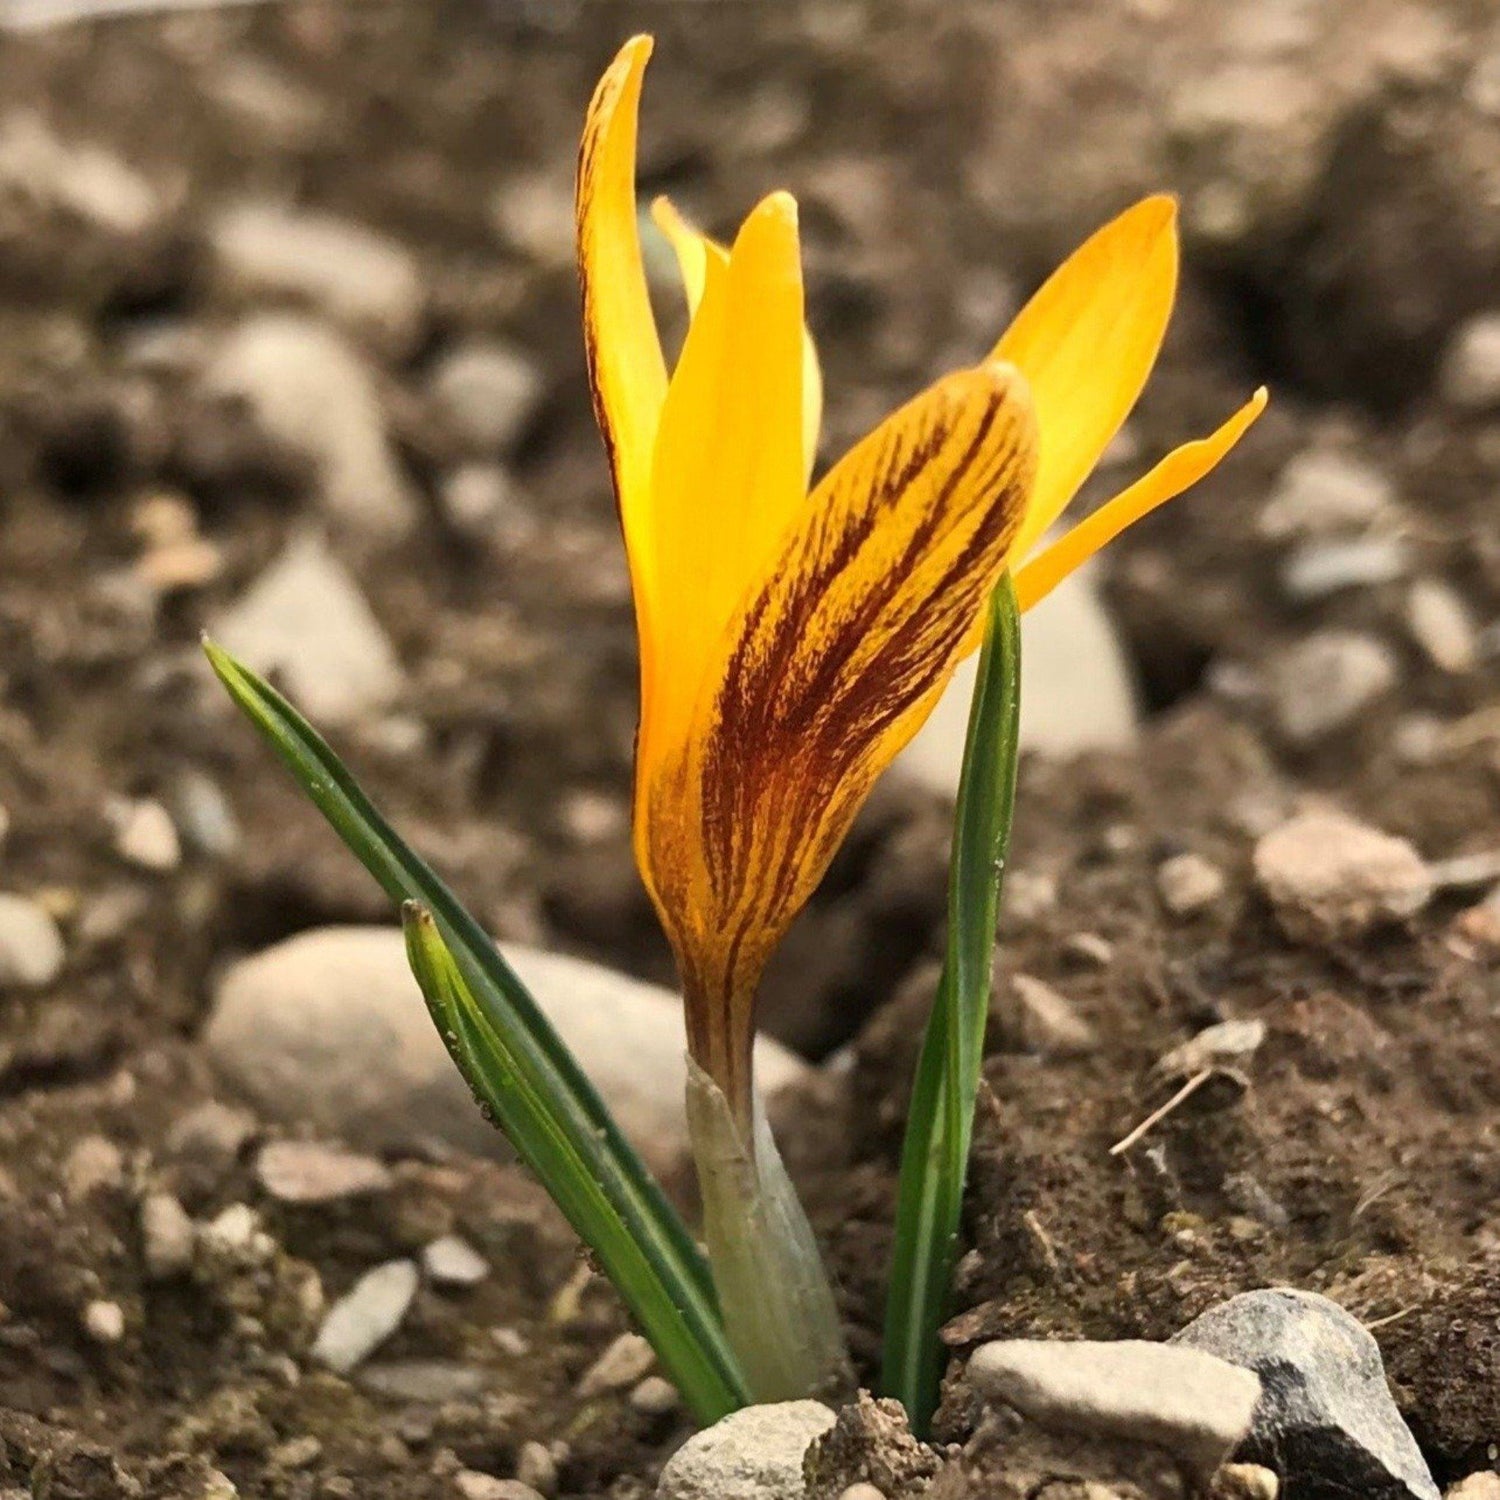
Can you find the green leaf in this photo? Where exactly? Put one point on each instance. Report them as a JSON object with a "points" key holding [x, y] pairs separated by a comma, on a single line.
{"points": [[521, 1072], [939, 1128]]}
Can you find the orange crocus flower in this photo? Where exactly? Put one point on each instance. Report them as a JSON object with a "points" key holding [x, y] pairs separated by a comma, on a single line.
{"points": [[792, 643]]}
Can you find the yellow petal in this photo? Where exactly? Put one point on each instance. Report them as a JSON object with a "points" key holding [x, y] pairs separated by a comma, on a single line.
{"points": [[1180, 469], [1086, 343], [693, 250], [626, 371], [728, 475], [830, 665]]}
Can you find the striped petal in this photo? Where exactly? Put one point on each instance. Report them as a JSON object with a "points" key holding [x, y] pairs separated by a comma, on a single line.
{"points": [[1086, 343], [829, 667], [693, 249], [1179, 470], [728, 473], [626, 371]]}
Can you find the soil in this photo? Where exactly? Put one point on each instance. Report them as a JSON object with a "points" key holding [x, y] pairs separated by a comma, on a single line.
{"points": [[1338, 168]]}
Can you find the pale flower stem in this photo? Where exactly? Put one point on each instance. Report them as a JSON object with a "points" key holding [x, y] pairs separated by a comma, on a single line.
{"points": [[774, 1295]]}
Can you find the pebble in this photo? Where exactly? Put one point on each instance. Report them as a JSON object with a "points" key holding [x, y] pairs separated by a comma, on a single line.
{"points": [[476, 497], [1325, 1419], [1331, 878], [167, 1237], [212, 1133], [1244, 1482], [536, 1466], [1482, 1486], [312, 393], [328, 1031], [473, 1485], [1322, 491], [1049, 1023], [31, 947], [366, 1316], [1188, 883], [1325, 682], [1088, 950], [310, 1172], [145, 835], [862, 1491], [1077, 693], [357, 276], [1228, 1044], [1325, 566], [104, 1322], [434, 1382], [451, 1261], [1470, 374], [1440, 623], [305, 620], [489, 393], [622, 1364], [1197, 1408], [655, 1397], [80, 179], [752, 1454], [203, 815], [95, 1163]]}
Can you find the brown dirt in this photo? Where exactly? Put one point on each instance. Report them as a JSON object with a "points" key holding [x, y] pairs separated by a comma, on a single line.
{"points": [[945, 155]]}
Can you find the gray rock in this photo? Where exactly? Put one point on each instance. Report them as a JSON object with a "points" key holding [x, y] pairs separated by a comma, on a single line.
{"points": [[1324, 682], [1470, 376], [328, 1030], [203, 815], [311, 1172], [1227, 1044], [366, 1316], [489, 393], [1322, 491], [752, 1454], [31, 947], [655, 1397], [625, 1362], [1481, 1486], [306, 620], [167, 1236], [1330, 878], [1049, 1024], [145, 835], [1325, 566], [1188, 883], [1197, 1409], [312, 393], [1325, 1421], [357, 276], [451, 1261], [434, 1381], [1441, 624]]}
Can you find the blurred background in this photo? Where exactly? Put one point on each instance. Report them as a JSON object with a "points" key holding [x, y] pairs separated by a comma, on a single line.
{"points": [[289, 350]]}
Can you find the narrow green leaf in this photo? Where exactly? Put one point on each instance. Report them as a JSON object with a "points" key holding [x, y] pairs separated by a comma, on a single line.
{"points": [[522, 1073], [940, 1123]]}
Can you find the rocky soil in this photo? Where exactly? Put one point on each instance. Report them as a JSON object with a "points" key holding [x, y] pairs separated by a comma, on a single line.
{"points": [[289, 350]]}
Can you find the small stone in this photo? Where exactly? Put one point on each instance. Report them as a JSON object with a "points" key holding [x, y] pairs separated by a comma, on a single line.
{"points": [[473, 1485], [212, 1133], [1329, 877], [475, 498], [1228, 1044], [1049, 1024], [366, 1316], [451, 1261], [1325, 1419], [510, 1341], [95, 1163], [752, 1454], [489, 393], [311, 393], [1322, 567], [1470, 375], [1029, 895], [104, 1322], [80, 179], [308, 1172], [203, 815], [234, 1235], [145, 835], [31, 947], [1188, 883], [1197, 1409], [622, 1364], [1482, 1486], [305, 620], [167, 1237], [434, 1382], [1325, 682], [1440, 623], [655, 1397], [357, 276], [862, 1491], [1244, 1482], [1322, 491], [1088, 950], [536, 1466], [296, 1453]]}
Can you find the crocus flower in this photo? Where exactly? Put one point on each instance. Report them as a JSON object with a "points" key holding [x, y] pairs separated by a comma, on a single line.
{"points": [[792, 643]]}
